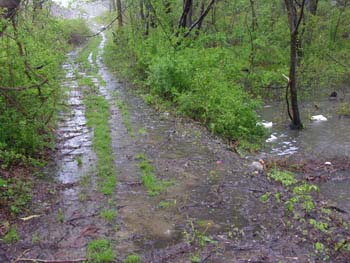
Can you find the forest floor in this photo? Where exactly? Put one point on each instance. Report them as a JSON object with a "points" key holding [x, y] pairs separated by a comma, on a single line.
{"points": [[181, 195]]}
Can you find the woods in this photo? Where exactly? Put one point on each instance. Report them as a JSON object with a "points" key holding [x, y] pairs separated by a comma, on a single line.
{"points": [[247, 43]]}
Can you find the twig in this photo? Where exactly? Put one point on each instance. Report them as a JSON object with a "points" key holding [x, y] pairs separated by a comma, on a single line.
{"points": [[23, 253], [206, 258], [50, 261]]}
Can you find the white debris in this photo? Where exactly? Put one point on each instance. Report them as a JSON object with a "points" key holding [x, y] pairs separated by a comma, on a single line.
{"points": [[272, 138], [318, 118], [328, 163], [265, 124], [30, 217], [258, 166]]}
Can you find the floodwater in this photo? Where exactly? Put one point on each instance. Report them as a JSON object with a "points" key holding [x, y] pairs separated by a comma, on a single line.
{"points": [[321, 141]]}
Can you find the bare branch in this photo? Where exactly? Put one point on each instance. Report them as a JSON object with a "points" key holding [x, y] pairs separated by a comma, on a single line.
{"points": [[25, 88]]}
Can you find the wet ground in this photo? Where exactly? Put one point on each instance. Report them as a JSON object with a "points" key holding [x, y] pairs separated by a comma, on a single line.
{"points": [[210, 213]]}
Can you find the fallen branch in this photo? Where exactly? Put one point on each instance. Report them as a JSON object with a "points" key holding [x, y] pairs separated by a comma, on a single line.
{"points": [[109, 25], [23, 253], [206, 258]]}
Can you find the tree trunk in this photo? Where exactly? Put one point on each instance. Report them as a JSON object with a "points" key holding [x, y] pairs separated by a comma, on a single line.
{"points": [[254, 17], [312, 6], [296, 122], [186, 16], [294, 21], [120, 13], [201, 12]]}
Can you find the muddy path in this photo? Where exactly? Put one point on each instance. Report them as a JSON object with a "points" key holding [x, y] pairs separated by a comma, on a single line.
{"points": [[207, 209], [205, 205]]}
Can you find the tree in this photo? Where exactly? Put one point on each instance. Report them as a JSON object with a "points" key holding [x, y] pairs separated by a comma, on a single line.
{"points": [[311, 6], [120, 13], [295, 16]]}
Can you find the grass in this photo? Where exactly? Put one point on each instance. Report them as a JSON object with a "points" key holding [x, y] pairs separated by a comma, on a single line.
{"points": [[97, 114], [60, 216], [35, 238], [108, 215], [148, 177], [91, 47], [100, 251], [11, 236], [133, 259], [125, 115], [79, 161]]}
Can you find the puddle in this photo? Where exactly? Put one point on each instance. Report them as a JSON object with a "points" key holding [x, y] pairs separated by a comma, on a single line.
{"points": [[75, 157]]}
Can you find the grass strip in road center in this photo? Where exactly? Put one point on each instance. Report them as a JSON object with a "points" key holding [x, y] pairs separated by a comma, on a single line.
{"points": [[97, 114]]}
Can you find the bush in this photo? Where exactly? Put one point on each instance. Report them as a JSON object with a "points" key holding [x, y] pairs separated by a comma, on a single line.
{"points": [[28, 116]]}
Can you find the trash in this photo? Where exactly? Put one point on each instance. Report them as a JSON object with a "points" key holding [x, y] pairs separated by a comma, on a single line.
{"points": [[318, 118], [272, 138], [265, 124], [258, 166]]}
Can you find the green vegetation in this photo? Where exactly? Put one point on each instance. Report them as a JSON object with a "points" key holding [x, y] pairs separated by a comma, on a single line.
{"points": [[32, 57], [316, 223], [344, 110], [108, 215], [216, 69], [60, 216], [79, 161], [125, 114], [11, 236], [97, 113], [30, 69], [197, 82], [15, 194], [133, 259], [90, 49], [167, 204], [148, 177], [100, 251], [35, 238], [284, 177], [198, 235]]}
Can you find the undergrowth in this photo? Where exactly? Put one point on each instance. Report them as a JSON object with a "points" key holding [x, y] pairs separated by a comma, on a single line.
{"points": [[196, 82], [318, 223]]}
